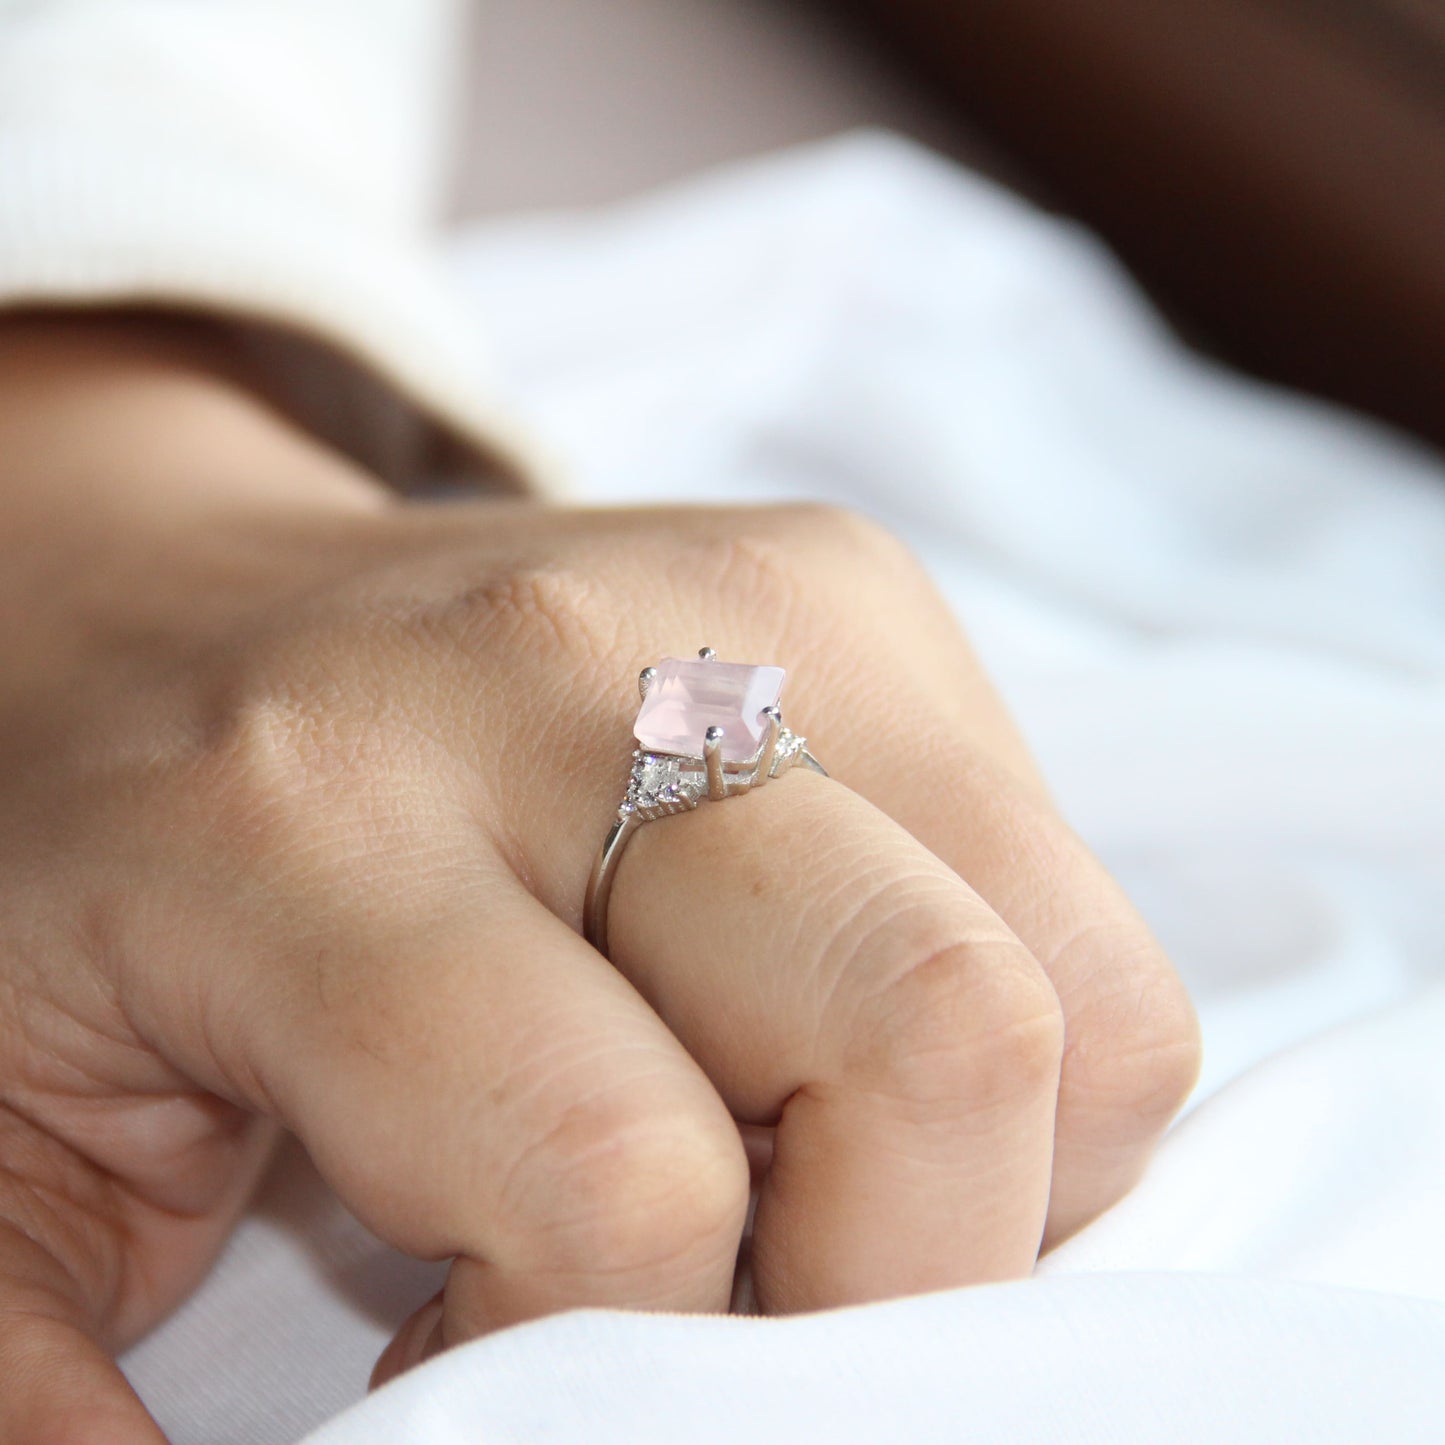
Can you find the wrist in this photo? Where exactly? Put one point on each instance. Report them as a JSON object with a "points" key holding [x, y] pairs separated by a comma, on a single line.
{"points": [[133, 452], [127, 410]]}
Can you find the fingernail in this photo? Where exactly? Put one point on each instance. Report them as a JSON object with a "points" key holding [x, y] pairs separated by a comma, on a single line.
{"points": [[433, 1338], [417, 1340]]}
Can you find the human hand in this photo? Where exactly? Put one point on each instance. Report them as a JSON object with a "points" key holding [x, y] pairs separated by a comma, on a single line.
{"points": [[301, 793]]}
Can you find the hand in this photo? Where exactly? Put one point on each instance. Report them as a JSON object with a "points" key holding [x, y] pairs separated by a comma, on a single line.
{"points": [[301, 793]]}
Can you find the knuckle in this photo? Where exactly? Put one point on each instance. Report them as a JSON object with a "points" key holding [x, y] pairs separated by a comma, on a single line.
{"points": [[553, 608], [756, 566], [976, 1022], [631, 1189], [792, 570], [1132, 1052], [304, 796], [267, 763], [772, 549], [837, 529], [1138, 1050]]}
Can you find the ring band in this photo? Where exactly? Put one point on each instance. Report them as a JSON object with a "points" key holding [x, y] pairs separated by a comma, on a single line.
{"points": [[707, 730]]}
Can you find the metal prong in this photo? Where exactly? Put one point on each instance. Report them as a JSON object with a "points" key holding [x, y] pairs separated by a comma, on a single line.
{"points": [[645, 679], [770, 743], [707, 654], [712, 756]]}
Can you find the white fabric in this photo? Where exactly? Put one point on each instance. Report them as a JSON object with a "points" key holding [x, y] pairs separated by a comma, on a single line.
{"points": [[1220, 613], [267, 160]]}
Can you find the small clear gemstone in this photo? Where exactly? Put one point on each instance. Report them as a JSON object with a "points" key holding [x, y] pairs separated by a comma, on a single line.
{"points": [[653, 778], [689, 696]]}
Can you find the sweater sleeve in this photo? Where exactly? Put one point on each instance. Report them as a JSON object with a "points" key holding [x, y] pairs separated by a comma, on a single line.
{"points": [[270, 163]]}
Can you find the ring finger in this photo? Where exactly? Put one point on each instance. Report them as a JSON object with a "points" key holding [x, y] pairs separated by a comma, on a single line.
{"points": [[834, 978]]}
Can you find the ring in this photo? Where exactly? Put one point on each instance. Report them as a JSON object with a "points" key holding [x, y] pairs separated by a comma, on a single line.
{"points": [[707, 730]]}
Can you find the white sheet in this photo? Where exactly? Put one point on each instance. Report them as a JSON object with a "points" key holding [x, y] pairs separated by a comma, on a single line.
{"points": [[1220, 614]]}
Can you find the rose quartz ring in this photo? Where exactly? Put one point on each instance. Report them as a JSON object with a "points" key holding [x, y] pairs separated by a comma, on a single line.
{"points": [[707, 730]]}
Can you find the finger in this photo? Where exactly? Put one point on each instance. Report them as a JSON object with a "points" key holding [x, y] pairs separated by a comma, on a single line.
{"points": [[960, 779], [835, 978], [111, 1210], [477, 1083], [57, 1386], [1131, 1053], [60, 1255], [418, 1339], [1132, 1046]]}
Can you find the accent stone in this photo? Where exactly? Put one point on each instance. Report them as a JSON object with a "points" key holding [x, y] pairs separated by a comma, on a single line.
{"points": [[653, 778], [689, 696]]}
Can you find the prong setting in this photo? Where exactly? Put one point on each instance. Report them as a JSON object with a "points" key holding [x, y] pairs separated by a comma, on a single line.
{"points": [[769, 749], [668, 777], [717, 786]]}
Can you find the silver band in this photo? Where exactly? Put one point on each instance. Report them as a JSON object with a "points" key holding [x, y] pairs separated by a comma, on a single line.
{"points": [[663, 784]]}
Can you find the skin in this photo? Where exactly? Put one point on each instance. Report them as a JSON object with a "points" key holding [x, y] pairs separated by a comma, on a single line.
{"points": [[301, 789]]}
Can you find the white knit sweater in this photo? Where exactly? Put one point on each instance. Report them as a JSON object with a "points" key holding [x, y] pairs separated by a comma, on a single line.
{"points": [[265, 161]]}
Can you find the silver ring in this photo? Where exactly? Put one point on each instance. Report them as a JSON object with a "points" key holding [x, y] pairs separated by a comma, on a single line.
{"points": [[707, 730]]}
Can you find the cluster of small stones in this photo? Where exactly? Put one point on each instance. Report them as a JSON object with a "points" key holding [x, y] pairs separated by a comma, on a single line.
{"points": [[659, 780], [789, 743]]}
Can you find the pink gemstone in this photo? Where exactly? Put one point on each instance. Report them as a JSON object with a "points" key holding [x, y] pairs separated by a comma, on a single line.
{"points": [[690, 696]]}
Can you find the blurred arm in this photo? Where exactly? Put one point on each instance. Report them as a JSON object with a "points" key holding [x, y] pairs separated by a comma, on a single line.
{"points": [[270, 161]]}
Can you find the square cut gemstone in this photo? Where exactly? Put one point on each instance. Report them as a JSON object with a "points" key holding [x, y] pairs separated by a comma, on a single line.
{"points": [[690, 696]]}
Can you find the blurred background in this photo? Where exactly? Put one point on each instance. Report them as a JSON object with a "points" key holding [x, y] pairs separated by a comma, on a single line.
{"points": [[1272, 170]]}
